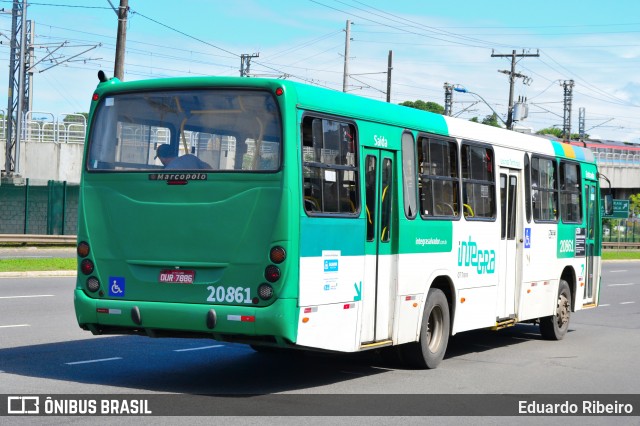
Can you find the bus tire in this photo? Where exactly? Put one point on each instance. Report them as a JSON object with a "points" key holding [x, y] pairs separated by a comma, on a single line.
{"points": [[429, 350], [554, 327]]}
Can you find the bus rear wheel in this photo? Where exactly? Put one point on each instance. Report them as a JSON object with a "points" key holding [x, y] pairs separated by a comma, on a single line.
{"points": [[554, 327], [434, 334]]}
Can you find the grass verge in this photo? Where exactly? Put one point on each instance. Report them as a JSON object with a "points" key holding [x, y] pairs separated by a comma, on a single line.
{"points": [[620, 254], [39, 264]]}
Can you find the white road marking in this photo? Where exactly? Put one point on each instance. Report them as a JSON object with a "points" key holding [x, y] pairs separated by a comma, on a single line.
{"points": [[22, 297], [621, 285], [17, 325], [626, 303], [619, 270], [601, 306], [93, 360], [197, 349]]}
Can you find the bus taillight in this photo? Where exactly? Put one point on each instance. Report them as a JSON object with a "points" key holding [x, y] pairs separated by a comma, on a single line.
{"points": [[277, 254], [86, 266], [83, 249], [265, 291], [272, 273], [93, 284]]}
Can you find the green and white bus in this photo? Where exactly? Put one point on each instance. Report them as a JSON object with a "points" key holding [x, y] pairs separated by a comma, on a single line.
{"points": [[320, 220]]}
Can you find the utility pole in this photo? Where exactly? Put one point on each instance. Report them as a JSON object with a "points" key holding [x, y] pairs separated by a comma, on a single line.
{"points": [[30, 61], [121, 41], [17, 84], [512, 77], [20, 91], [245, 63], [448, 99], [568, 99], [389, 68], [347, 42], [582, 124]]}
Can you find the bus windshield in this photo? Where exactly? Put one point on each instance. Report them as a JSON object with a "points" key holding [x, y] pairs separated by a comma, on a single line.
{"points": [[211, 130]]}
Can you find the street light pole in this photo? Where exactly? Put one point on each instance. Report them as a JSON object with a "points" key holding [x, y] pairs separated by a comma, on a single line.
{"points": [[462, 89]]}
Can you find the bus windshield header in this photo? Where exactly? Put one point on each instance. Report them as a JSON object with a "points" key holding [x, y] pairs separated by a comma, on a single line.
{"points": [[209, 130]]}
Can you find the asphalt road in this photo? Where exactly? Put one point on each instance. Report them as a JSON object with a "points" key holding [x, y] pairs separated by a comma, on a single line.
{"points": [[43, 351]]}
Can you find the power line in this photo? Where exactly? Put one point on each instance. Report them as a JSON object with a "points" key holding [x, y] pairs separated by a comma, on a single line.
{"points": [[184, 34], [60, 5], [395, 27], [420, 25], [594, 88]]}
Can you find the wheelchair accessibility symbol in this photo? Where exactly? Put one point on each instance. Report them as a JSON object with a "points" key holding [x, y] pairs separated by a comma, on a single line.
{"points": [[116, 286]]}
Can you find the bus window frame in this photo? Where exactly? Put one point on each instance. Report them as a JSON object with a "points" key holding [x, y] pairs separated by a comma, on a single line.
{"points": [[555, 190], [494, 181], [409, 176], [356, 169], [527, 188], [457, 179], [561, 177], [175, 130]]}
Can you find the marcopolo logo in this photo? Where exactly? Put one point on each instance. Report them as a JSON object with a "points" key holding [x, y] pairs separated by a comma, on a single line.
{"points": [[469, 255]]}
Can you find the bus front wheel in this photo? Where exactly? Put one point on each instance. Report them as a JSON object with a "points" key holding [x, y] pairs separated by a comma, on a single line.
{"points": [[434, 334], [555, 326]]}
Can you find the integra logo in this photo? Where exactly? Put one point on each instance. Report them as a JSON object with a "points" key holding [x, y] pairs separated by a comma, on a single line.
{"points": [[469, 255]]}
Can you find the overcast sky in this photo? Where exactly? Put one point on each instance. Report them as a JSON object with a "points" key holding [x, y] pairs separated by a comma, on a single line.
{"points": [[594, 43]]}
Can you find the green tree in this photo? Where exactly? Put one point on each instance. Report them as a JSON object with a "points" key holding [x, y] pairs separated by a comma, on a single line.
{"points": [[491, 120], [474, 119], [553, 131], [634, 204], [557, 132], [425, 106]]}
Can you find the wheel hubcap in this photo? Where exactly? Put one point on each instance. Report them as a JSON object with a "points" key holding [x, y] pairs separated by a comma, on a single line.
{"points": [[562, 312]]}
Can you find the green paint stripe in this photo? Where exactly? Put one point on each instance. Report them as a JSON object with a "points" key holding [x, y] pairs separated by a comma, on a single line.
{"points": [[322, 233]]}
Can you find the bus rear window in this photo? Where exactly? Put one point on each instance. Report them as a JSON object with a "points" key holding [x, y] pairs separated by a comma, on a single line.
{"points": [[213, 130]]}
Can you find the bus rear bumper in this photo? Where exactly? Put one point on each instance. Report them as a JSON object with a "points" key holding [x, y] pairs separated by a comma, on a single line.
{"points": [[108, 316]]}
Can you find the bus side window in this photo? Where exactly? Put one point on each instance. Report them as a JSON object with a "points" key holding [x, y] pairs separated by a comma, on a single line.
{"points": [[544, 189], [438, 177], [370, 182], [570, 192], [478, 183], [329, 167]]}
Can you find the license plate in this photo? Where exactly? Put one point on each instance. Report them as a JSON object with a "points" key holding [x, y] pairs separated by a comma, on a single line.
{"points": [[176, 276]]}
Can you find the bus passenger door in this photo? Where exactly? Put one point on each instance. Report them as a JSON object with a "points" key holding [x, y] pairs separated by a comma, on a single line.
{"points": [[510, 253], [592, 236], [379, 285]]}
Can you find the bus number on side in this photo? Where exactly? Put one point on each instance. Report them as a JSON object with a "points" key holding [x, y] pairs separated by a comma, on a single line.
{"points": [[566, 246]]}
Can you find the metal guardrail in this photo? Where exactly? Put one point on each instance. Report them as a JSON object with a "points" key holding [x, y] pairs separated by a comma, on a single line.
{"points": [[620, 245], [37, 239]]}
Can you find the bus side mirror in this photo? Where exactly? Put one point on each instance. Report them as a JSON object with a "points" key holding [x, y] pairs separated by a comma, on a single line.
{"points": [[608, 204]]}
